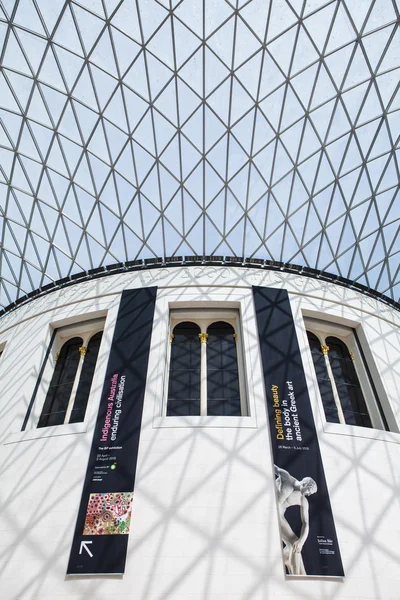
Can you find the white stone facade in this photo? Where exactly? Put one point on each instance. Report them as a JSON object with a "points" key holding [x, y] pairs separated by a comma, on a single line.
{"points": [[204, 519]]}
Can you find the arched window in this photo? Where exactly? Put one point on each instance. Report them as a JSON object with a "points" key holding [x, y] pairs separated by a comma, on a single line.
{"points": [[205, 376], [184, 371], [68, 393], [341, 392], [223, 394]]}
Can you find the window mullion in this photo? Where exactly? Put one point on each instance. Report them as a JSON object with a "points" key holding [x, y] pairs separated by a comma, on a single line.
{"points": [[82, 352], [203, 374], [325, 350]]}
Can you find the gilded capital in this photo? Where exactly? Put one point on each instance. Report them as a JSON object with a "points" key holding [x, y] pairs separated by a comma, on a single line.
{"points": [[325, 350], [235, 337], [57, 356], [171, 338], [203, 337], [351, 355], [83, 350]]}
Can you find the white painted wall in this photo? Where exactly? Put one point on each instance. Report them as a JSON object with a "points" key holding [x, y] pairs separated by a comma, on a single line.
{"points": [[204, 521]]}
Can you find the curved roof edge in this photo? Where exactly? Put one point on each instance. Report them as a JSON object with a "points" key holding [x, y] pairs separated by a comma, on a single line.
{"points": [[179, 261]]}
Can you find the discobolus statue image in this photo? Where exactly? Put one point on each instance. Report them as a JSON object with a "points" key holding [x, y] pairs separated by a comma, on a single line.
{"points": [[292, 492]]}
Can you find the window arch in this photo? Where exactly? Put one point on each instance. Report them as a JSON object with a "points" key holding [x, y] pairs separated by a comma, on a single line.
{"points": [[68, 393], [205, 376], [184, 371], [341, 392]]}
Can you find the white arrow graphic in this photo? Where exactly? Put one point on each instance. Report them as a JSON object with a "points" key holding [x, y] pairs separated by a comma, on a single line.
{"points": [[84, 546]]}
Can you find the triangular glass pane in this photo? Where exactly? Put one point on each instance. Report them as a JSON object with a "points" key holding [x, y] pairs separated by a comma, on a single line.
{"points": [[66, 34], [292, 110], [50, 72], [390, 60], [305, 53], [358, 71], [126, 49], [303, 84], [50, 11], [272, 107], [283, 164], [34, 47], [84, 90], [281, 49], [190, 157], [187, 102], [342, 32], [135, 107], [192, 72], [271, 76], [116, 140], [13, 57], [338, 62], [382, 13], [246, 44], [220, 100], [72, 153], [22, 89], [324, 89], [281, 17], [161, 45], [70, 65], [126, 19], [90, 27], [243, 131], [249, 74], [159, 75], [55, 101], [263, 132], [103, 54], [167, 104], [104, 85], [318, 25]]}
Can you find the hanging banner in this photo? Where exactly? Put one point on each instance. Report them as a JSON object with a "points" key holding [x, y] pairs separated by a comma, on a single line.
{"points": [[101, 535], [309, 541]]}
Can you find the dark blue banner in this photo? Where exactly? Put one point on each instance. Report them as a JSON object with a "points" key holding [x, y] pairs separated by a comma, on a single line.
{"points": [[309, 541], [101, 534]]}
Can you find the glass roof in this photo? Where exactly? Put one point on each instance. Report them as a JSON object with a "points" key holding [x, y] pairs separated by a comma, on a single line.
{"points": [[143, 128]]}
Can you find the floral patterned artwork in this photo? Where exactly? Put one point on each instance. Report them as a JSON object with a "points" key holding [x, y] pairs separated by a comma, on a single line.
{"points": [[108, 513]]}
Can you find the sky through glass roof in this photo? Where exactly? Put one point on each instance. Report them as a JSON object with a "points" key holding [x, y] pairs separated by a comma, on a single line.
{"points": [[142, 128]]}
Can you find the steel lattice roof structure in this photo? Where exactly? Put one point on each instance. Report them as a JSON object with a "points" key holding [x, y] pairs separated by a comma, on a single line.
{"points": [[154, 128]]}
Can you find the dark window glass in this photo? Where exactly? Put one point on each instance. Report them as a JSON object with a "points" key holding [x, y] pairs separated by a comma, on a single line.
{"points": [[184, 371], [85, 380], [223, 396], [347, 384], [57, 398], [324, 383]]}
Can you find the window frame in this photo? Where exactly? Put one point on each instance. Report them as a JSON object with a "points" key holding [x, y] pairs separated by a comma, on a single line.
{"points": [[203, 298], [203, 318], [346, 333], [84, 330], [31, 415]]}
